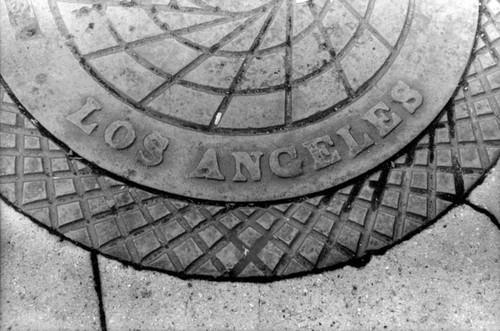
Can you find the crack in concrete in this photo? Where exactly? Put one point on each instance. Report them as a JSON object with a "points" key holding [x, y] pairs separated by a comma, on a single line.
{"points": [[485, 212], [98, 288], [357, 263], [188, 306], [259, 307]]}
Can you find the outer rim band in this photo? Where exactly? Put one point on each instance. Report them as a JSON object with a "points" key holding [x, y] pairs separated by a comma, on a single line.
{"points": [[68, 93]]}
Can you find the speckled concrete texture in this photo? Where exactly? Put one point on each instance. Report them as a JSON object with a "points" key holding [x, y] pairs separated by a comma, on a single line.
{"points": [[487, 195], [272, 239], [446, 278], [154, 301], [45, 283], [201, 90]]}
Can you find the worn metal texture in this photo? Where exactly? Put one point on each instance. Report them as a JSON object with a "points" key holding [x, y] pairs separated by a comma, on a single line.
{"points": [[264, 241], [238, 101]]}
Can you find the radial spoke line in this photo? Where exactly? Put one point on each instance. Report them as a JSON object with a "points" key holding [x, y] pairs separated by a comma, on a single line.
{"points": [[201, 4], [210, 10], [122, 46], [147, 64], [116, 3], [338, 67], [205, 10], [289, 62], [205, 25], [196, 62], [362, 19], [158, 37], [365, 21], [172, 80], [238, 78], [104, 52], [381, 38], [343, 78], [199, 26], [118, 38]]}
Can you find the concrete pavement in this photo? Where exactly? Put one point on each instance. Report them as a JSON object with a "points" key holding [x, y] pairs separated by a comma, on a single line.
{"points": [[445, 278]]}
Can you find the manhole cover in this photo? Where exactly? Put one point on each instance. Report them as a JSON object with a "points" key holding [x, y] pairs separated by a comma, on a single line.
{"points": [[237, 101], [262, 240]]}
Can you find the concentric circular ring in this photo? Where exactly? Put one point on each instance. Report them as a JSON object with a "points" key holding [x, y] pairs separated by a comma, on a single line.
{"points": [[319, 49], [270, 240], [185, 98]]}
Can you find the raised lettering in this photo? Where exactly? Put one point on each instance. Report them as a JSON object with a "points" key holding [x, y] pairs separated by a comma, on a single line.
{"points": [[410, 98], [291, 169], [354, 147], [252, 164], [321, 155], [81, 114], [208, 167], [152, 154], [119, 134], [383, 123]]}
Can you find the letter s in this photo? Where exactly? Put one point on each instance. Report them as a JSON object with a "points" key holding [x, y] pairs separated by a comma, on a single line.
{"points": [[154, 146]]}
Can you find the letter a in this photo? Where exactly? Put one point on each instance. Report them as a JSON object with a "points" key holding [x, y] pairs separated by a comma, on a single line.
{"points": [[208, 167]]}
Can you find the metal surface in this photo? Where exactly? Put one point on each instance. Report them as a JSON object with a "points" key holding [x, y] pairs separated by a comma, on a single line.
{"points": [[237, 101], [398, 198], [261, 241]]}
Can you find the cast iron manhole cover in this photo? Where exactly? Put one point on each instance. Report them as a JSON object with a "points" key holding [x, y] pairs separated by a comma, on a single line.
{"points": [[263, 240], [239, 100]]}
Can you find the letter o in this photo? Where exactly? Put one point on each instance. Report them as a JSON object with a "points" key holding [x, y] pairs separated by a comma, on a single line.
{"points": [[124, 141]]}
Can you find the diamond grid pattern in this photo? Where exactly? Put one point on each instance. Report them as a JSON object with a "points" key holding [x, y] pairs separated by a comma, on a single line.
{"points": [[133, 225]]}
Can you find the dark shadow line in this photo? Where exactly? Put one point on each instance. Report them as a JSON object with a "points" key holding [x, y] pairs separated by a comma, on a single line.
{"points": [[358, 262], [98, 288], [485, 212]]}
